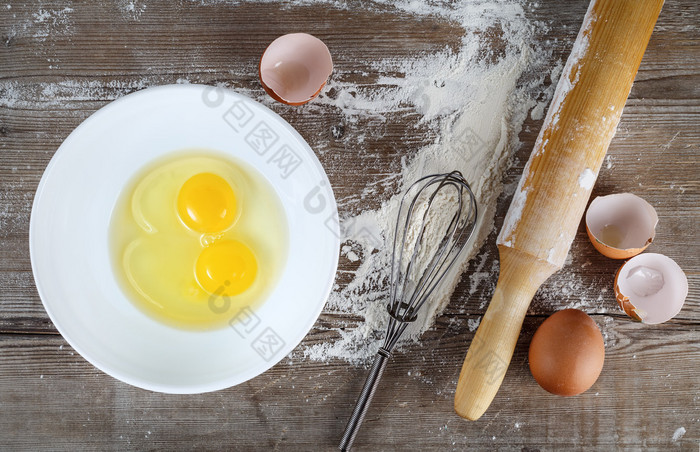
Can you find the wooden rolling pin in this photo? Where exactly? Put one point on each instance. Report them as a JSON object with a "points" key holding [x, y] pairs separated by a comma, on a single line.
{"points": [[555, 186]]}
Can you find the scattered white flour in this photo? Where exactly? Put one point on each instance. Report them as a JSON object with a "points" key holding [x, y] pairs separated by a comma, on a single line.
{"points": [[66, 93], [43, 23], [473, 324], [53, 21], [476, 106], [347, 251], [574, 289], [586, 179], [678, 434], [132, 9], [608, 161], [515, 212]]}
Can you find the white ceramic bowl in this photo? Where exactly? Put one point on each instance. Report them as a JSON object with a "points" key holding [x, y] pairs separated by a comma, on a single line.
{"points": [[68, 238]]}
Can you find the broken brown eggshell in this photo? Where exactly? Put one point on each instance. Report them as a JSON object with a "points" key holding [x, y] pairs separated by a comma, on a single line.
{"points": [[621, 226], [651, 288], [295, 67]]}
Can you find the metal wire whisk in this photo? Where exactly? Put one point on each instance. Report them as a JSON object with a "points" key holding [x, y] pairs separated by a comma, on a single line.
{"points": [[420, 260]]}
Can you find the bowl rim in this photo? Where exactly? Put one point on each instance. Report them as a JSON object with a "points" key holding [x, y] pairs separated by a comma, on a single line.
{"points": [[230, 381]]}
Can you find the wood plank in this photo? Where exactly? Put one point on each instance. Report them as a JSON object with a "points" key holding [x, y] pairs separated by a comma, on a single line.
{"points": [[305, 407]]}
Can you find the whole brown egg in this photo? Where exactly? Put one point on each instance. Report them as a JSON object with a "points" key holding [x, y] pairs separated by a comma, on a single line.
{"points": [[567, 353]]}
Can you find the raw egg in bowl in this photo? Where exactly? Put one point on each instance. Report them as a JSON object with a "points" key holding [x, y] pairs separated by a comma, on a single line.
{"points": [[193, 231], [184, 239]]}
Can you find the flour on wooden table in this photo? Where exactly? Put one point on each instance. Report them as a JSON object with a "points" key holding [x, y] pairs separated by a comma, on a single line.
{"points": [[678, 434], [476, 106], [132, 9]]}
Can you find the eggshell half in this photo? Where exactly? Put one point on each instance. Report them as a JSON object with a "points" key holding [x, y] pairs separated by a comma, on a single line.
{"points": [[621, 225], [651, 288], [295, 67]]}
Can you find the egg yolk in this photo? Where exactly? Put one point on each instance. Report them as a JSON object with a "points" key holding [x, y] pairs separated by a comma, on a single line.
{"points": [[206, 203], [226, 267]]}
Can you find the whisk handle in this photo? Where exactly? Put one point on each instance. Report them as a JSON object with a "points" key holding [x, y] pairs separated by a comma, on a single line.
{"points": [[368, 390]]}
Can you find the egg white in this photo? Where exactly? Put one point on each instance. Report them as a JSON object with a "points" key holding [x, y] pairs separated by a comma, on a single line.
{"points": [[154, 253]]}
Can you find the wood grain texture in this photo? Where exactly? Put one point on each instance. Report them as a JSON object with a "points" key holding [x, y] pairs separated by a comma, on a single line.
{"points": [[55, 73]]}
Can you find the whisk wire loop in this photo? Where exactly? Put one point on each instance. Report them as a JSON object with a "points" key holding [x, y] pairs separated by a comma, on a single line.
{"points": [[457, 233], [419, 262]]}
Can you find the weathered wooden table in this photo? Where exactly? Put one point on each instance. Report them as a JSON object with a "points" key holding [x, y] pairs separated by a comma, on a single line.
{"points": [[60, 61]]}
